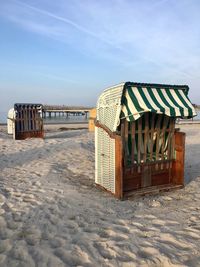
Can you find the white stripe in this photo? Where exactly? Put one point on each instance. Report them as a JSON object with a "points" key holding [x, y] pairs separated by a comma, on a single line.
{"points": [[130, 104], [154, 106], [132, 107], [177, 109], [140, 99], [136, 117], [125, 111], [187, 101], [127, 117], [177, 99], [167, 109]]}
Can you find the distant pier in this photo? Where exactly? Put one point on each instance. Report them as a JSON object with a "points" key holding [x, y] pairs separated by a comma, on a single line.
{"points": [[64, 111]]}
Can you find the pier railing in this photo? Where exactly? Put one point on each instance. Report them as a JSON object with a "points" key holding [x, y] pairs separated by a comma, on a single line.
{"points": [[54, 110]]}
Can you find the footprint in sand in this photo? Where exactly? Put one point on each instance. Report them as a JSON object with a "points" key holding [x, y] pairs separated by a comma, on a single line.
{"points": [[5, 246], [170, 240], [17, 217], [116, 236], [155, 204], [75, 257], [2, 200], [36, 183], [57, 242], [13, 225], [191, 235], [21, 256], [148, 252], [158, 222], [105, 251], [149, 217], [2, 222], [2, 259], [17, 194], [5, 233], [31, 235], [2, 211]]}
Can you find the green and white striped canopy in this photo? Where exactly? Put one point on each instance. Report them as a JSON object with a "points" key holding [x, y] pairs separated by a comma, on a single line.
{"points": [[171, 100]]}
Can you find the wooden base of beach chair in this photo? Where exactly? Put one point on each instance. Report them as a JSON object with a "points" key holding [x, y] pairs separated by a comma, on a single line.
{"points": [[152, 190]]}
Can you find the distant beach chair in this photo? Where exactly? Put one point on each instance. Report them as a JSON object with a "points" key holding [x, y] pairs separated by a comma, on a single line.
{"points": [[25, 121], [10, 121]]}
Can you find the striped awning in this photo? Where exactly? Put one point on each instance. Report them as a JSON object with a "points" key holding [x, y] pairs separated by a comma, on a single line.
{"points": [[172, 101]]}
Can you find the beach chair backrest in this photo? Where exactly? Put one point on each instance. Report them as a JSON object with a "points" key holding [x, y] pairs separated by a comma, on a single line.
{"points": [[28, 121], [148, 139]]}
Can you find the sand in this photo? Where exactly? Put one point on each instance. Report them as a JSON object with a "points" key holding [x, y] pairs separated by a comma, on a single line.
{"points": [[51, 213]]}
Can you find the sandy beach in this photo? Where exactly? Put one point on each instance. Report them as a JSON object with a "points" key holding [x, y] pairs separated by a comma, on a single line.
{"points": [[53, 215]]}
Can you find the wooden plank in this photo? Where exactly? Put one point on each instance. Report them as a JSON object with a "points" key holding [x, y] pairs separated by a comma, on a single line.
{"points": [[126, 150], [30, 119], [26, 119], [169, 148], [146, 170], [146, 136], [34, 119], [146, 176], [118, 167], [122, 130], [108, 131], [152, 135], [131, 183], [151, 163], [143, 131], [165, 123], [158, 136], [23, 122], [133, 142], [20, 120], [179, 163], [173, 139], [152, 190], [160, 178], [139, 142]]}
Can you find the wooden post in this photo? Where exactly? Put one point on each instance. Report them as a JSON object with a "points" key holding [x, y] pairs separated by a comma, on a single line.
{"points": [[165, 124], [139, 158], [158, 130], [146, 136], [178, 164], [118, 167], [152, 135], [133, 142]]}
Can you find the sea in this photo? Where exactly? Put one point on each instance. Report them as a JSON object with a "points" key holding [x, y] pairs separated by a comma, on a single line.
{"points": [[53, 120], [68, 120]]}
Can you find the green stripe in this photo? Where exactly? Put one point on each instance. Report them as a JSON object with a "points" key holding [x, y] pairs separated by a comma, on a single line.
{"points": [[150, 91], [172, 110], [134, 99], [190, 103], [190, 113], [122, 116], [140, 90], [170, 93], [174, 102], [193, 109], [129, 111]]}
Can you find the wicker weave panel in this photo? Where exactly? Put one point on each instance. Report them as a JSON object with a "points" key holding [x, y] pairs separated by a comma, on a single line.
{"points": [[109, 107], [105, 160]]}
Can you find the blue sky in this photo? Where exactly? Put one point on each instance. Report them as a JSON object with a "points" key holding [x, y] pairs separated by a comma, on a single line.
{"points": [[67, 52]]}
